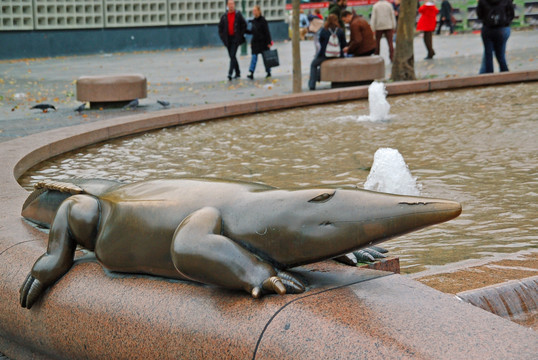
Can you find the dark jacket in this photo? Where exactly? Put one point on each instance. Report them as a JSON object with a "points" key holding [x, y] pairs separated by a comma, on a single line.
{"points": [[261, 37], [361, 39], [335, 9], [495, 13], [446, 10], [240, 26], [324, 36]]}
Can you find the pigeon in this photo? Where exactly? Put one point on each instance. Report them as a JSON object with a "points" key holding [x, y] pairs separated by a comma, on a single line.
{"points": [[132, 105], [163, 103], [81, 108], [43, 107]]}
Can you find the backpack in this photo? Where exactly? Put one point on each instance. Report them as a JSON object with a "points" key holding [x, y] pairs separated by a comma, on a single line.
{"points": [[333, 46], [496, 15]]}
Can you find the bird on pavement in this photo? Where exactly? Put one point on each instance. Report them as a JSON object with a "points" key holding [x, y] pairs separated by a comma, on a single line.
{"points": [[81, 108], [132, 105], [43, 107]]}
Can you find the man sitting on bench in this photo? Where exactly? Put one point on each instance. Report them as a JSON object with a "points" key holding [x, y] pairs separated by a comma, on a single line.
{"points": [[362, 41]]}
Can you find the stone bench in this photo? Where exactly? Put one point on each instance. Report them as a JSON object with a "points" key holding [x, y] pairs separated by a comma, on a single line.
{"points": [[111, 88], [353, 70]]}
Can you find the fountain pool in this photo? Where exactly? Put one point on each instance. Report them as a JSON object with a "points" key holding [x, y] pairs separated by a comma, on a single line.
{"points": [[475, 146]]}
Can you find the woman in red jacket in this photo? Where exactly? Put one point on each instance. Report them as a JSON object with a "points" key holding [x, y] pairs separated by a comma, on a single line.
{"points": [[427, 23]]}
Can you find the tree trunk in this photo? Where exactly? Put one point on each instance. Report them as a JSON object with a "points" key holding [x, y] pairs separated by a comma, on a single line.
{"points": [[296, 49], [403, 67]]}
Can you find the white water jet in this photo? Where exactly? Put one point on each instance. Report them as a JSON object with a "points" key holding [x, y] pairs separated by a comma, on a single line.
{"points": [[390, 174], [377, 101]]}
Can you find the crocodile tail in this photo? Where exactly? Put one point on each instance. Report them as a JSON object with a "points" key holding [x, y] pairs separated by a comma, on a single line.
{"points": [[33, 195], [41, 205]]}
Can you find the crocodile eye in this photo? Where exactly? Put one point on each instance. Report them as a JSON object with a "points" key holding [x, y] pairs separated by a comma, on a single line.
{"points": [[323, 197]]}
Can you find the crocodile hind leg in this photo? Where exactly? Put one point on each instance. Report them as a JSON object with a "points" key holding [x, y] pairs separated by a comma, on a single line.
{"points": [[201, 253], [75, 223]]}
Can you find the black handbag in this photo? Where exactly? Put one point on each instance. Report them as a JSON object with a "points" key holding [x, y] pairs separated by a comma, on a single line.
{"points": [[270, 58]]}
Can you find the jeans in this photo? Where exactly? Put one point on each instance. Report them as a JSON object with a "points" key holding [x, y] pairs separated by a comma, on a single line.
{"points": [[314, 71], [254, 62], [232, 47], [494, 40]]}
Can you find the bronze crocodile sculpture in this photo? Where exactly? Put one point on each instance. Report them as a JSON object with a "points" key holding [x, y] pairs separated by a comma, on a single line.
{"points": [[232, 234]]}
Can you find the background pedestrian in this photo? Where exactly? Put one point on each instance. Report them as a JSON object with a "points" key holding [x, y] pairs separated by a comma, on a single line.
{"points": [[496, 16], [383, 23], [445, 17], [325, 35], [361, 36], [232, 27], [427, 23], [261, 40]]}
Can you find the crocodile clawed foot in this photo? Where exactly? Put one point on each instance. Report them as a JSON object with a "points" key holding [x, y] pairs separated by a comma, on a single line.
{"points": [[291, 282], [30, 291], [369, 254], [284, 283], [272, 284]]}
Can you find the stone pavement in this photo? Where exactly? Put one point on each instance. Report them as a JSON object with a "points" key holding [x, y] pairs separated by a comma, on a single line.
{"points": [[197, 76]]}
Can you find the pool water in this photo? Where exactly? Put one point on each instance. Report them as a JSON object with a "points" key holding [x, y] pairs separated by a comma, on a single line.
{"points": [[476, 146]]}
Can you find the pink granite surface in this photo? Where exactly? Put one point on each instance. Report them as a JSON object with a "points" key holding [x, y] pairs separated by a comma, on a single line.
{"points": [[346, 312], [111, 88]]}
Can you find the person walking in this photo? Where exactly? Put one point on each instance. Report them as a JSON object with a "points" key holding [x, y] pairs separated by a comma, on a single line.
{"points": [[427, 23], [383, 23], [396, 7], [496, 16], [332, 41], [445, 17], [336, 8], [232, 27], [361, 37], [261, 40]]}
